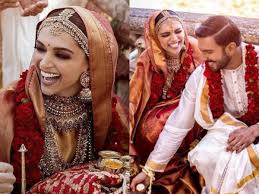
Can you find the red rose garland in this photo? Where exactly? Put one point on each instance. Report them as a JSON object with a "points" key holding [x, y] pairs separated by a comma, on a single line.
{"points": [[26, 131], [216, 101], [117, 139], [180, 78], [252, 88]]}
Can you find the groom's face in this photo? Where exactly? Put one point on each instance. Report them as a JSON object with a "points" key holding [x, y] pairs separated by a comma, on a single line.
{"points": [[213, 53]]}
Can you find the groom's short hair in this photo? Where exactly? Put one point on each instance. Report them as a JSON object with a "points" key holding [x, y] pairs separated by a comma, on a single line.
{"points": [[221, 28]]}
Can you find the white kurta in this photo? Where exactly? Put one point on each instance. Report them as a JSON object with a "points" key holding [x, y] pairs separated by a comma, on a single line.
{"points": [[18, 35], [224, 172]]}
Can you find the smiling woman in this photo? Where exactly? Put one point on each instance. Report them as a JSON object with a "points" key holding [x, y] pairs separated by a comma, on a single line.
{"points": [[155, 89], [170, 34], [64, 107], [54, 58]]}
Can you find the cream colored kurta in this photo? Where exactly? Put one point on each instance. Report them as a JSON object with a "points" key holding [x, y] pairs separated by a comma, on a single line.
{"points": [[224, 172], [18, 36]]}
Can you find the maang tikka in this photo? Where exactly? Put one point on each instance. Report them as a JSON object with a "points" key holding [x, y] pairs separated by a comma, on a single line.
{"points": [[85, 94]]}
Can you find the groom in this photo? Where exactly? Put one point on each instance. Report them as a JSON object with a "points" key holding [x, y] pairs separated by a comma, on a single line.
{"points": [[223, 97]]}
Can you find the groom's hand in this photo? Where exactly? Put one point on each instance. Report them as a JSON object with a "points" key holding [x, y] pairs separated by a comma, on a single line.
{"points": [[241, 138]]}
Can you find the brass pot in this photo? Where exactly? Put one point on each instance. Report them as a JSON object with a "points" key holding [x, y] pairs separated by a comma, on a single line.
{"points": [[109, 154], [111, 165]]}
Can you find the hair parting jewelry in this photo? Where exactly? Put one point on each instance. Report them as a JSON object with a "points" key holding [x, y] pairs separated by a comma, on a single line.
{"points": [[167, 16], [61, 23]]}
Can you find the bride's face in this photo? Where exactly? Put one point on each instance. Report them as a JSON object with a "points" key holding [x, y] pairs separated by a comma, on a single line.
{"points": [[171, 37], [60, 62]]}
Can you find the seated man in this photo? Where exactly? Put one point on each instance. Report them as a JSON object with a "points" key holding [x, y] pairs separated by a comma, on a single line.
{"points": [[222, 96]]}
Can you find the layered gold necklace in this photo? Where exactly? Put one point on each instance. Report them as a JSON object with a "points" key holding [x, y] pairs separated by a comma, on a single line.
{"points": [[173, 66], [65, 115]]}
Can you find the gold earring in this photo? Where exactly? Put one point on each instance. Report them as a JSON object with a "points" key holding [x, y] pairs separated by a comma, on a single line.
{"points": [[184, 46], [85, 94]]}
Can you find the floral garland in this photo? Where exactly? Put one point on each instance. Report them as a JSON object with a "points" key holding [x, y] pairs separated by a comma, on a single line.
{"points": [[117, 139], [216, 101], [26, 131], [180, 78]]}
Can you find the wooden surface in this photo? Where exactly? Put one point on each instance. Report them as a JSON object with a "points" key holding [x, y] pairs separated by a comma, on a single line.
{"points": [[249, 26]]}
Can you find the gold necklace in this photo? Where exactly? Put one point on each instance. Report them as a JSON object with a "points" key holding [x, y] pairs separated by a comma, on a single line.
{"points": [[65, 113], [173, 66]]}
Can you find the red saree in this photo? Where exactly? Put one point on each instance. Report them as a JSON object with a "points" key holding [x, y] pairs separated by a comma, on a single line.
{"points": [[149, 112]]}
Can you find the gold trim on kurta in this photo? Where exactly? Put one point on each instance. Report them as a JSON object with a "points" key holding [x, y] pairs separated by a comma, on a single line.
{"points": [[230, 193], [253, 156], [255, 160], [248, 178], [214, 191], [204, 102], [155, 166], [230, 121]]}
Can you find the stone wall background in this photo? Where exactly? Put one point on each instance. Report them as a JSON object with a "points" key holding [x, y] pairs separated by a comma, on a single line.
{"points": [[249, 26], [241, 8]]}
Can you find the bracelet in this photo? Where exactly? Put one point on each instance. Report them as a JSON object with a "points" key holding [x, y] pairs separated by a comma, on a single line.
{"points": [[151, 175], [148, 172]]}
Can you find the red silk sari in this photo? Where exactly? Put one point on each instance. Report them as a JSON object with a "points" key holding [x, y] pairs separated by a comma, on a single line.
{"points": [[149, 112]]}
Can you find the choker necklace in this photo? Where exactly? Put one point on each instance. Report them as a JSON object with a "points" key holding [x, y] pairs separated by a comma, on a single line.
{"points": [[173, 66], [65, 113]]}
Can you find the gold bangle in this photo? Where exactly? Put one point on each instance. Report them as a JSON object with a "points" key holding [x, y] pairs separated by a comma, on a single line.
{"points": [[148, 172], [151, 175]]}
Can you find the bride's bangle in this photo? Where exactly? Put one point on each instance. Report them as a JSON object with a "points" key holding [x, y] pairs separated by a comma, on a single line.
{"points": [[148, 172]]}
